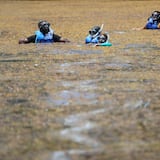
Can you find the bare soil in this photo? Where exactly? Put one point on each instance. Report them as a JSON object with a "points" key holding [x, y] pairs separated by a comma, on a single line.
{"points": [[73, 101]]}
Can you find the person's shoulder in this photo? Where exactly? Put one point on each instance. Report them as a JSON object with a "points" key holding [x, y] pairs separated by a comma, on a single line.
{"points": [[88, 39]]}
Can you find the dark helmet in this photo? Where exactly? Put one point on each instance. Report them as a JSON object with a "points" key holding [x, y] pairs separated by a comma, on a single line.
{"points": [[156, 15], [44, 26], [95, 30], [103, 38]]}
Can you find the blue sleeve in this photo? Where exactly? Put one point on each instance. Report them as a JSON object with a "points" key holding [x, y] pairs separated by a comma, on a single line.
{"points": [[89, 39], [150, 20]]}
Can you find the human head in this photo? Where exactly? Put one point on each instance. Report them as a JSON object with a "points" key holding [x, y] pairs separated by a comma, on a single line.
{"points": [[44, 26], [103, 38], [96, 30], [156, 15]]}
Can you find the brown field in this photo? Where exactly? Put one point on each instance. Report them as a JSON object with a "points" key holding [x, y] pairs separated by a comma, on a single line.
{"points": [[73, 101]]}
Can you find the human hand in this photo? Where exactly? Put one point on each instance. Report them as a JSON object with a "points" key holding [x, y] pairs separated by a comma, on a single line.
{"points": [[22, 41]]}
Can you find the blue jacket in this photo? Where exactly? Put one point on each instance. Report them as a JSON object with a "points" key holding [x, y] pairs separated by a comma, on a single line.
{"points": [[151, 24], [41, 38], [90, 39]]}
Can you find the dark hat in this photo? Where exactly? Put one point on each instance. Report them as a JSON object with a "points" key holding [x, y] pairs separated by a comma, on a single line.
{"points": [[94, 30], [42, 22]]}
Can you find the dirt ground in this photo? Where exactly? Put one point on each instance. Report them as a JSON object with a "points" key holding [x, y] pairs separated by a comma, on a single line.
{"points": [[73, 101]]}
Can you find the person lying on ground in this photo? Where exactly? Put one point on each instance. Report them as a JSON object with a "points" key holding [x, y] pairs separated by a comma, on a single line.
{"points": [[44, 34], [98, 38], [153, 21], [94, 34]]}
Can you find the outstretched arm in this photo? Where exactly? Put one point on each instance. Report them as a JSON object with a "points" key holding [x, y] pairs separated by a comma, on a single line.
{"points": [[30, 39], [64, 40], [58, 38]]}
